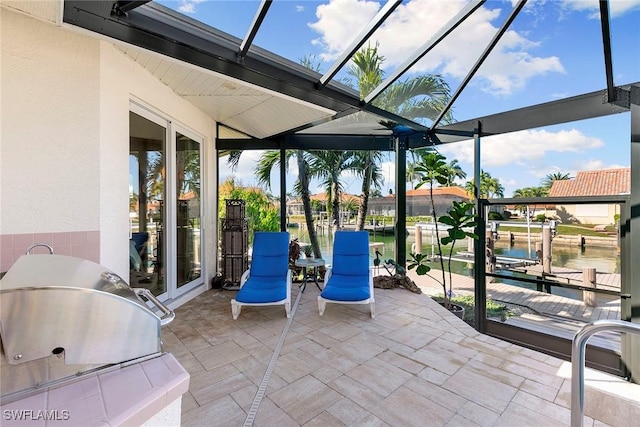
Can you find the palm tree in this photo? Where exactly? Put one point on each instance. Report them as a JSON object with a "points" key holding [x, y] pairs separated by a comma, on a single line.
{"points": [[421, 97], [412, 176], [271, 158], [548, 180], [366, 165], [489, 186], [528, 192], [328, 166], [432, 167], [494, 188], [349, 205], [453, 171], [302, 187]]}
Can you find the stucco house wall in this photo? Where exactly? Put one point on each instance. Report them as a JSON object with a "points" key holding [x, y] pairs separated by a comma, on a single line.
{"points": [[64, 147], [417, 205]]}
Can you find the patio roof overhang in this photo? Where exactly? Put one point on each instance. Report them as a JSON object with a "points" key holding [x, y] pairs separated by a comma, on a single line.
{"points": [[275, 97]]}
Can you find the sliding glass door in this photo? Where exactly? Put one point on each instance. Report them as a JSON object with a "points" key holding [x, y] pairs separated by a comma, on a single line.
{"points": [[165, 247]]}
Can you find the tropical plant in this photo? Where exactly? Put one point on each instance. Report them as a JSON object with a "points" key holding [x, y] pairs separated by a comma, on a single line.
{"points": [[432, 168], [366, 166], [262, 214], [302, 187], [412, 176], [398, 276], [489, 186], [529, 192], [418, 98], [453, 171], [268, 160], [349, 205], [328, 166], [548, 180], [458, 218], [311, 62]]}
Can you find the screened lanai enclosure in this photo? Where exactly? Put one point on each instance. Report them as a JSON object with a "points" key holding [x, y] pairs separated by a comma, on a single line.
{"points": [[469, 79]]}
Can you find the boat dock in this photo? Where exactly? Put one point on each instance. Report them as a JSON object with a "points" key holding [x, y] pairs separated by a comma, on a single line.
{"points": [[502, 262], [570, 276]]}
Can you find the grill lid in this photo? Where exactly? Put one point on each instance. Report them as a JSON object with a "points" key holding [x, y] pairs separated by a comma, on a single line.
{"points": [[71, 307]]}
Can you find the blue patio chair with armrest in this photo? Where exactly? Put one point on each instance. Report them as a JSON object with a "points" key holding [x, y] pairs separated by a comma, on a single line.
{"points": [[349, 280], [268, 279]]}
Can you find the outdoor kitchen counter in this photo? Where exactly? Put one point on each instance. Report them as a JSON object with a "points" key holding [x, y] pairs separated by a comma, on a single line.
{"points": [[146, 393]]}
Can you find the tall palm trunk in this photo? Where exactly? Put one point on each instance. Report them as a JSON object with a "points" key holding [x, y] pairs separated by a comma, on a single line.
{"points": [[303, 176], [364, 197], [435, 222], [335, 205]]}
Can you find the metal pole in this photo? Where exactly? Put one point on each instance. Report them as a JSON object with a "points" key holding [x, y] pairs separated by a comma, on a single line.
{"points": [[401, 201], [283, 188], [480, 278], [529, 231], [578, 347]]}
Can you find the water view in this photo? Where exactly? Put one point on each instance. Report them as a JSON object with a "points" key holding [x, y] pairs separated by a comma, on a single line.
{"points": [[604, 259]]}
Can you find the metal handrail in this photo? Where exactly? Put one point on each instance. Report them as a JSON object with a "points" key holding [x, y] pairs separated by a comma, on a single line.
{"points": [[578, 347]]}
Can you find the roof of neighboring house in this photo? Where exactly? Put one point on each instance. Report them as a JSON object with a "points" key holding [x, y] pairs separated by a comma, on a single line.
{"points": [[605, 182], [437, 191], [322, 197], [440, 191]]}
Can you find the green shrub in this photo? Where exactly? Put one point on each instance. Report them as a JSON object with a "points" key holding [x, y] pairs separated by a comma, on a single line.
{"points": [[495, 216]]}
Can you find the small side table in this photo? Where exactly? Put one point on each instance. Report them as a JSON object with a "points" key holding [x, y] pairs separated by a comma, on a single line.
{"points": [[306, 263]]}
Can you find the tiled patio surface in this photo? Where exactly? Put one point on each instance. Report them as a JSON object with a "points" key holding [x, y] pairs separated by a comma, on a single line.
{"points": [[415, 364]]}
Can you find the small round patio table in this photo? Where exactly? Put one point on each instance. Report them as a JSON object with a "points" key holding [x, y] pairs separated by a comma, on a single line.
{"points": [[307, 263]]}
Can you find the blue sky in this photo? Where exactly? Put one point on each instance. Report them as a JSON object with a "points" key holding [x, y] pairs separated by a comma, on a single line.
{"points": [[552, 50]]}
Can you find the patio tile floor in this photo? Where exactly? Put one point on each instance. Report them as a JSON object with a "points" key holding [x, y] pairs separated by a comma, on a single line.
{"points": [[414, 364]]}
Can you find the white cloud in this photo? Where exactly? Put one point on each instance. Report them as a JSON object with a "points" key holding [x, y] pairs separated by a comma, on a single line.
{"points": [[189, 6], [616, 8], [595, 164], [525, 148], [299, 8], [506, 70], [245, 172], [339, 22]]}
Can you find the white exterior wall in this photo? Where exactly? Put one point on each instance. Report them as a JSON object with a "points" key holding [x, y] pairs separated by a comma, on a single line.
{"points": [[64, 148], [50, 128]]}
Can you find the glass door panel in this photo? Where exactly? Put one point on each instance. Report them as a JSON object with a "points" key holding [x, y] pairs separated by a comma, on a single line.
{"points": [[147, 216], [188, 224]]}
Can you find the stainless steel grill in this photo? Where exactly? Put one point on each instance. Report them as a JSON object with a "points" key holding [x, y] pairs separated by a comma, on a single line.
{"points": [[62, 316]]}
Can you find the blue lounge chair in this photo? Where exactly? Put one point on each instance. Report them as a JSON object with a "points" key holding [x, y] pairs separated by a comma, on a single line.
{"points": [[268, 279], [349, 280]]}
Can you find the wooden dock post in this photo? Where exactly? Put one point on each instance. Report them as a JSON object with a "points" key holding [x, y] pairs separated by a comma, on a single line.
{"points": [[418, 244], [491, 257], [589, 280], [546, 250]]}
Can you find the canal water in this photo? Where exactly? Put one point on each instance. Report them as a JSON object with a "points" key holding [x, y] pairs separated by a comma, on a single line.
{"points": [[604, 259]]}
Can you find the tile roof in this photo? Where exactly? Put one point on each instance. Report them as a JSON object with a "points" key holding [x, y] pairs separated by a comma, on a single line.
{"points": [[322, 197], [605, 182], [439, 191]]}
